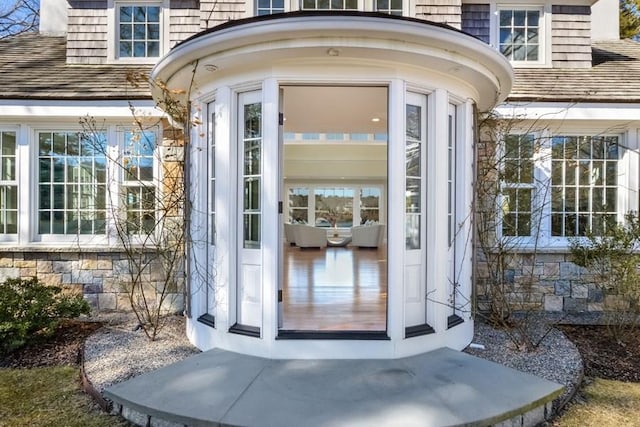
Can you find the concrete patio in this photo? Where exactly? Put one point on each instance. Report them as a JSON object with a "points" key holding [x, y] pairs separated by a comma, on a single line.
{"points": [[439, 388]]}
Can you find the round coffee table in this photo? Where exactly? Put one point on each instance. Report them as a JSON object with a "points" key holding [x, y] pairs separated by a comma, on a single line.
{"points": [[338, 242]]}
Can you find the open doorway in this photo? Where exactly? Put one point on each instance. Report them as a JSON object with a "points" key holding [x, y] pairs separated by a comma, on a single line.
{"points": [[334, 190]]}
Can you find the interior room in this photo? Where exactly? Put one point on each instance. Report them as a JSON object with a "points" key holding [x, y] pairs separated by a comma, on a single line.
{"points": [[334, 186]]}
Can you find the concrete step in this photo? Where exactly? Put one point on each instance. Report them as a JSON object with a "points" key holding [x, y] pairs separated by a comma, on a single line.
{"points": [[439, 388]]}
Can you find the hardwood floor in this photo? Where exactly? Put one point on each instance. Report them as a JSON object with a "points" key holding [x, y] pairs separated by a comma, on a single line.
{"points": [[334, 289]]}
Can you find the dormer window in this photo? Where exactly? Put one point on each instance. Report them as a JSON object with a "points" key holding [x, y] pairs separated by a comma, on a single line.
{"points": [[392, 7], [330, 4], [139, 31], [269, 7], [521, 34]]}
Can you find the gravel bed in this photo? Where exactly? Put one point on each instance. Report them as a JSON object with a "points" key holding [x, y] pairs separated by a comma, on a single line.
{"points": [[120, 351], [556, 359]]}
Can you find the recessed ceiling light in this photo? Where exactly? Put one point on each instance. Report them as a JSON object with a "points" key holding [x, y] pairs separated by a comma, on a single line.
{"points": [[211, 67], [333, 51], [375, 119]]}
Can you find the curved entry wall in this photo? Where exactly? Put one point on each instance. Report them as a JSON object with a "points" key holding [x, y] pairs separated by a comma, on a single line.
{"points": [[331, 183]]}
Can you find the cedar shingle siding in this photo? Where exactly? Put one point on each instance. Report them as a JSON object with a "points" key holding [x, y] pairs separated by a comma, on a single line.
{"points": [[183, 23], [441, 11], [476, 20], [215, 12], [571, 36], [87, 33]]}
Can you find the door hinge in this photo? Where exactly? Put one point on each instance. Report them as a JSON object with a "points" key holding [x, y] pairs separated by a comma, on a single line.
{"points": [[279, 207], [279, 295], [281, 119]]}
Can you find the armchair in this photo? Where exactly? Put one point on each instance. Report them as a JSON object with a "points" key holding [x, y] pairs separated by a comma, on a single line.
{"points": [[307, 236], [367, 236]]}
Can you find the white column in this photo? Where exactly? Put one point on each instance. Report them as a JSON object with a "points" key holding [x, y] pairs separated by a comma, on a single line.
{"points": [[395, 218], [224, 265], [27, 203], [271, 220], [437, 251]]}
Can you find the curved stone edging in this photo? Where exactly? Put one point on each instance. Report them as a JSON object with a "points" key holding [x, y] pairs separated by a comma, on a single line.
{"points": [[87, 386]]}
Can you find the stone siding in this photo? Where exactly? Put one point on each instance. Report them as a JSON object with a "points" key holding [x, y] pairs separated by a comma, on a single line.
{"points": [[101, 277], [545, 281]]}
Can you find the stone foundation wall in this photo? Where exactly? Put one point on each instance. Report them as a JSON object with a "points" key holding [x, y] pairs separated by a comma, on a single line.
{"points": [[544, 281], [101, 277]]}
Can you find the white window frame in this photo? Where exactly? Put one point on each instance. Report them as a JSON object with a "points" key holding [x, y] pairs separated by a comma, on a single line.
{"points": [[113, 30], [544, 32], [13, 237], [271, 12], [355, 186], [35, 235], [541, 232], [408, 7], [156, 180]]}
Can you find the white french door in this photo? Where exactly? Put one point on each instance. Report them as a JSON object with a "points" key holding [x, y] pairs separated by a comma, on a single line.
{"points": [[415, 212], [249, 287]]}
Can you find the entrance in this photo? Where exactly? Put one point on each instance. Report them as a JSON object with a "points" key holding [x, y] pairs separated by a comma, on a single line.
{"points": [[333, 268]]}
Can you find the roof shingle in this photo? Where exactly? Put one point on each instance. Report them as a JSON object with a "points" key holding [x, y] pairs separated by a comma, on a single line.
{"points": [[614, 77], [33, 66]]}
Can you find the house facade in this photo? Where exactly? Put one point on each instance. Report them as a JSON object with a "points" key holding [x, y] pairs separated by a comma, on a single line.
{"points": [[352, 117]]}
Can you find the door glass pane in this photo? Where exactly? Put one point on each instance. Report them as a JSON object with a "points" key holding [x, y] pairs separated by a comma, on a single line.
{"points": [[413, 173], [252, 170]]}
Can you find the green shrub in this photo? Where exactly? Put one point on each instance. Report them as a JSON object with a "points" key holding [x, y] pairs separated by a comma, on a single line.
{"points": [[612, 258], [28, 309]]}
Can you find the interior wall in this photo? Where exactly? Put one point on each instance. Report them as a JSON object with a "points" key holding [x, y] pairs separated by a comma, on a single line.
{"points": [[329, 161]]}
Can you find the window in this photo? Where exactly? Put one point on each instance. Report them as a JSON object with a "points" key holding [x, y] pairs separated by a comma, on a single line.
{"points": [[139, 31], [138, 186], [299, 205], [519, 34], [392, 7], [334, 207], [517, 185], [330, 4], [413, 173], [72, 183], [8, 184], [578, 194], [584, 179], [252, 174], [269, 7], [369, 205], [331, 206]]}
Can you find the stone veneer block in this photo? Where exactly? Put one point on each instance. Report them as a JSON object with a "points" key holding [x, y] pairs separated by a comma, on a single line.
{"points": [[569, 270], [553, 303], [92, 299], [44, 266], [28, 272], [563, 288], [575, 305], [138, 418], [62, 266], [107, 301], [24, 264], [579, 290], [9, 273]]}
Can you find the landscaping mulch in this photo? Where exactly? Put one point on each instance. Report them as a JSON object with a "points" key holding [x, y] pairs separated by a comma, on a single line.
{"points": [[603, 356], [62, 348]]}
